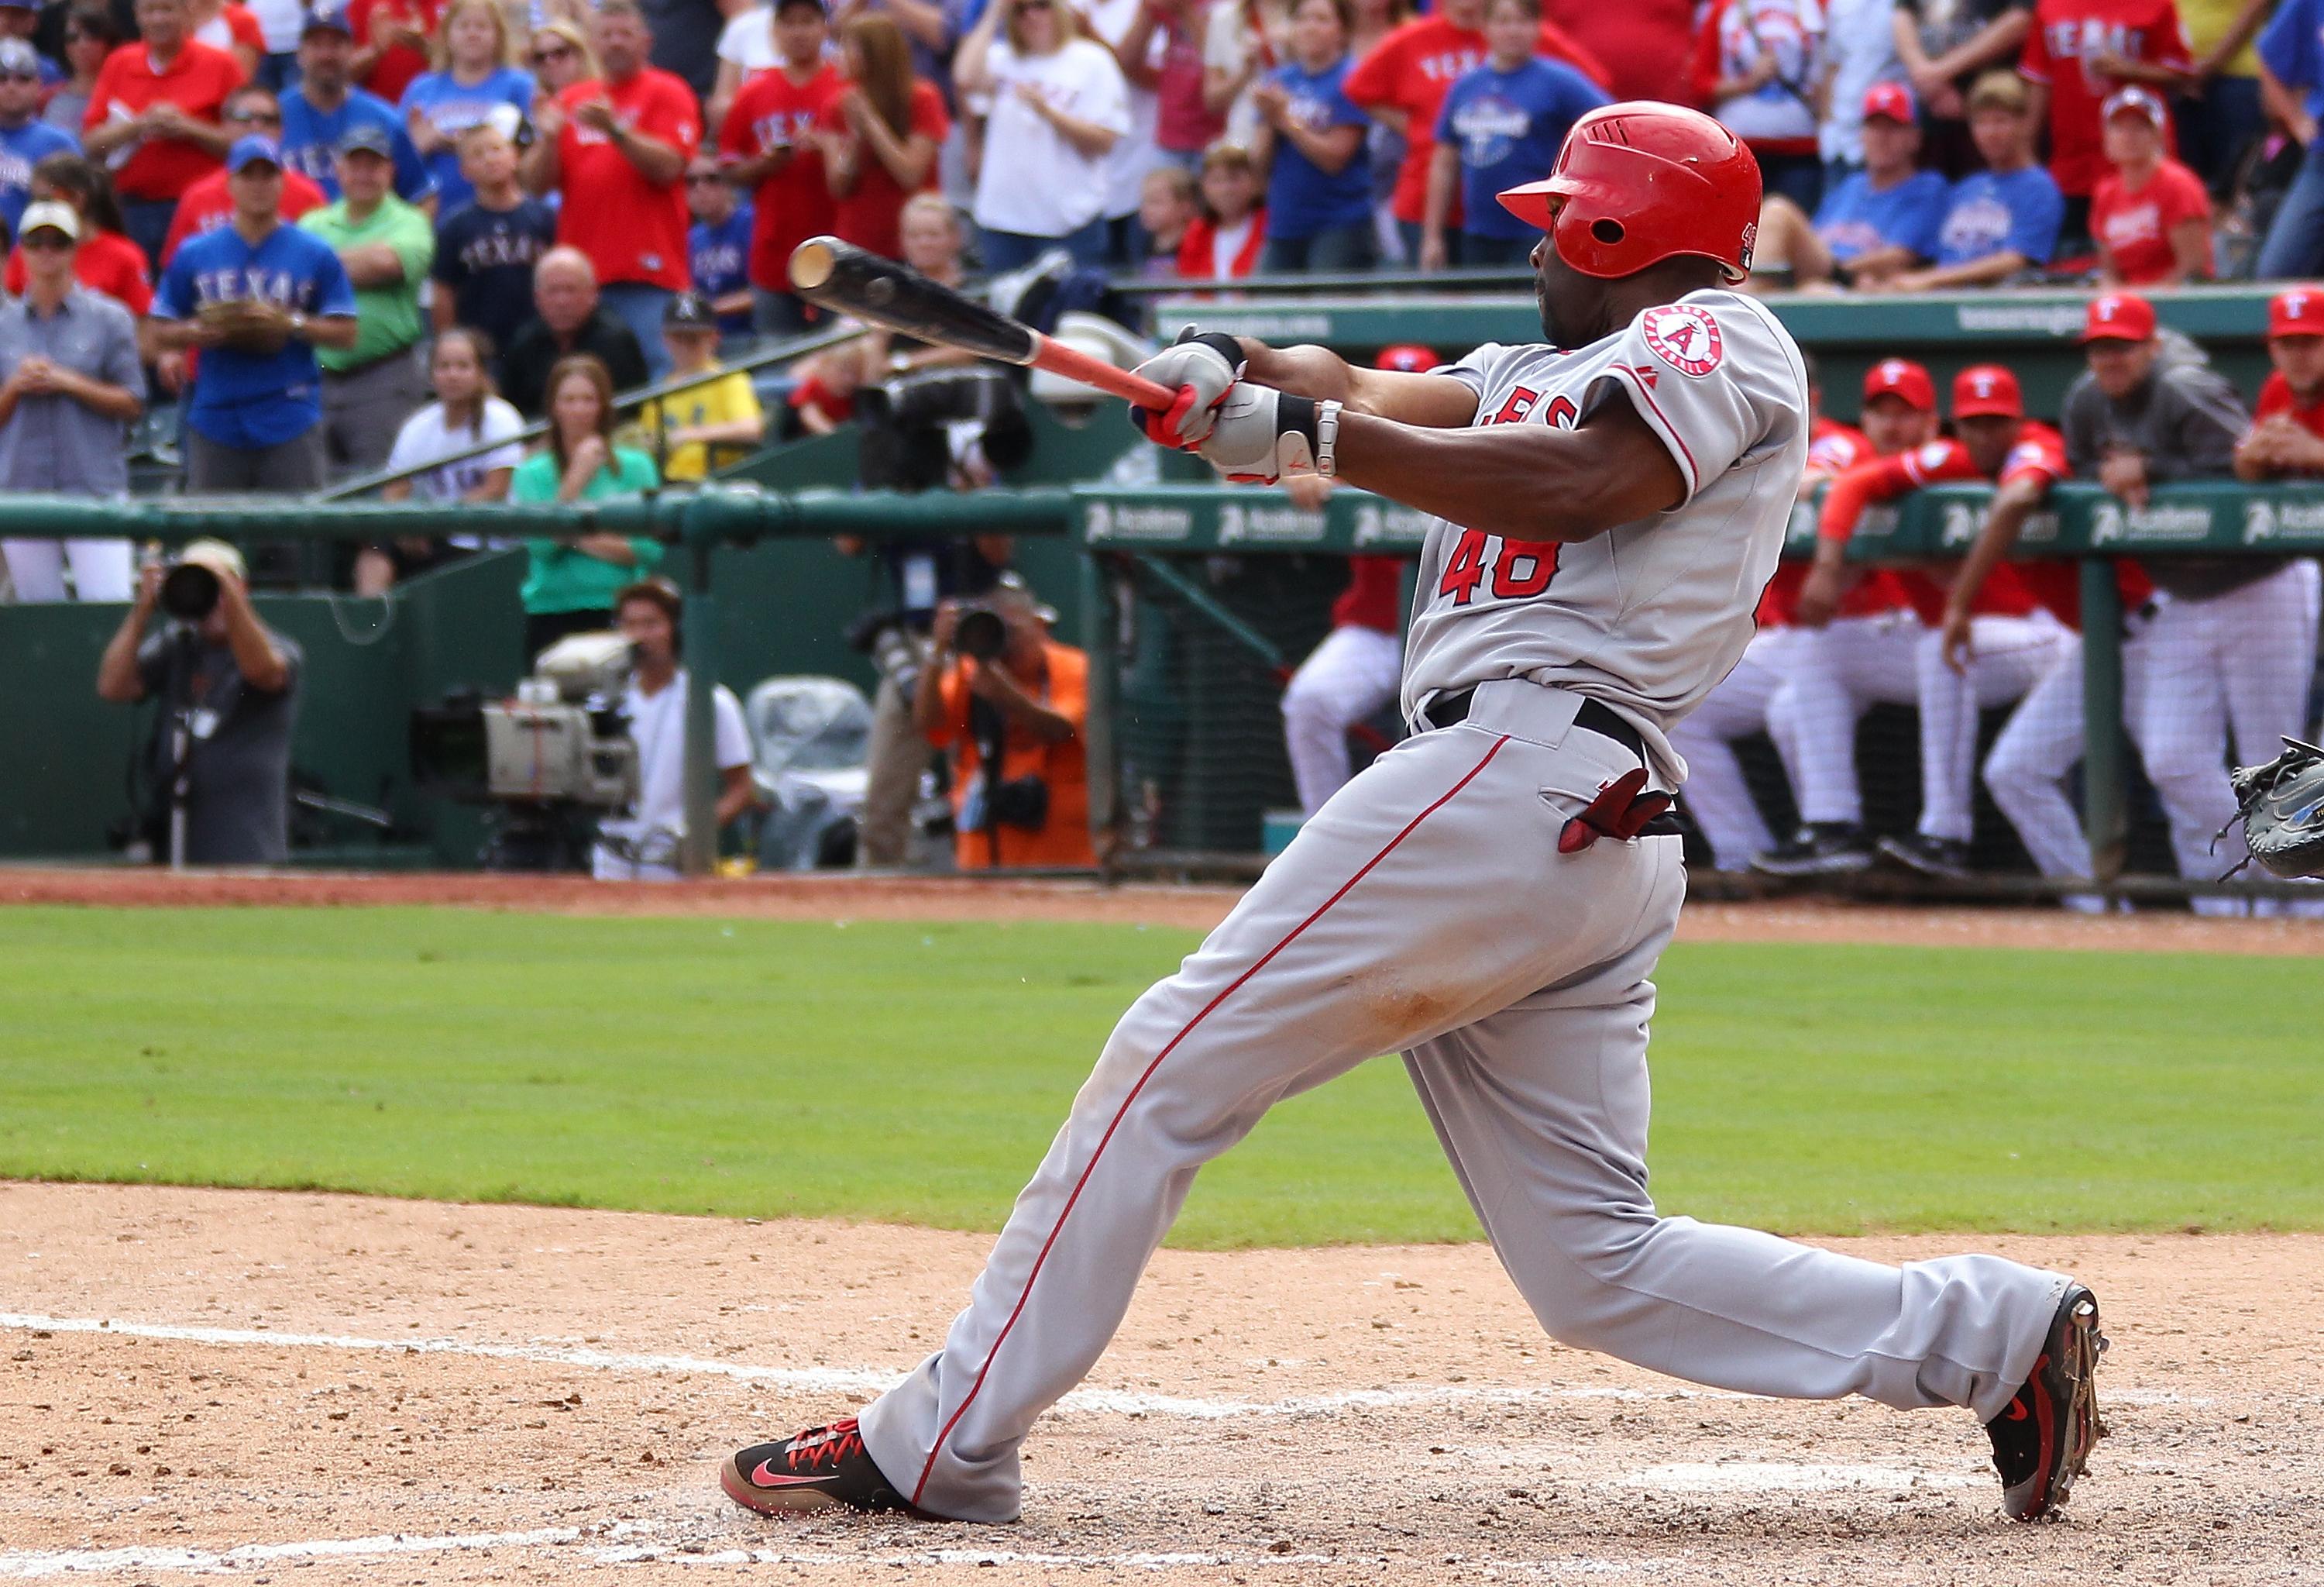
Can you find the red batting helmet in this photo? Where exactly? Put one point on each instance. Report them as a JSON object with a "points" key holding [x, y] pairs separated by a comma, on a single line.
{"points": [[1641, 182]]}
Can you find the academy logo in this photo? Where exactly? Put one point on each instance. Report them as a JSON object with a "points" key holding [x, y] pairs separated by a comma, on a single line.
{"points": [[2259, 522], [1685, 337], [1960, 525]]}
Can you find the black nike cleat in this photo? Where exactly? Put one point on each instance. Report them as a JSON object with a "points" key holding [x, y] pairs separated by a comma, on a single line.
{"points": [[1946, 858], [2042, 1439], [823, 1468], [1825, 848]]}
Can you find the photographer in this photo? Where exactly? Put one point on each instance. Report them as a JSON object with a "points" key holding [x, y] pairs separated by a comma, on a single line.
{"points": [[229, 692], [642, 846], [1000, 691]]}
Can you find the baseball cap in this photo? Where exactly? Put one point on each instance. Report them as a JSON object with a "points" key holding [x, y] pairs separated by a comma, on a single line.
{"points": [[1988, 390], [1901, 377], [329, 19], [2119, 317], [50, 216], [1410, 357], [689, 311], [1891, 100], [255, 148], [218, 556], [365, 138], [2133, 99], [2299, 312], [817, 6], [17, 58]]}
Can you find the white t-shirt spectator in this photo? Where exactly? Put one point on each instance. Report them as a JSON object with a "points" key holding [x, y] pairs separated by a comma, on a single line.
{"points": [[747, 40], [1138, 153], [650, 833], [424, 436], [1033, 182], [1861, 49]]}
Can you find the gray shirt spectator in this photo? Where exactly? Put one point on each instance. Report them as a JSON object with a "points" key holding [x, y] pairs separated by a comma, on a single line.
{"points": [[69, 381]]}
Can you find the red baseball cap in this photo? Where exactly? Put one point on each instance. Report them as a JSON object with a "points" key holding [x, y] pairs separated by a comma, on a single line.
{"points": [[1988, 390], [1901, 377], [1892, 100], [2299, 312], [1410, 357], [2133, 99], [2119, 317]]}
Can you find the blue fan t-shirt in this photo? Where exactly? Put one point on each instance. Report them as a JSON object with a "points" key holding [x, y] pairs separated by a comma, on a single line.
{"points": [[1508, 127], [1991, 211], [22, 148], [1301, 197], [720, 258], [1855, 219], [452, 109], [311, 141], [248, 400]]}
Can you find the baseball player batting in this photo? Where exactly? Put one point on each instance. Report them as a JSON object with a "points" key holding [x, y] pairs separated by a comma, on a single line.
{"points": [[1488, 896]]}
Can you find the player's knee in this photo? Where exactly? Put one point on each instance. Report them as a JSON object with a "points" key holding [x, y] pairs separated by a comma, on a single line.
{"points": [[1603, 1251]]}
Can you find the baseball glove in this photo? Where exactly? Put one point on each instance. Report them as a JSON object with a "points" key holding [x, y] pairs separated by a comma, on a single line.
{"points": [[2283, 810], [248, 327]]}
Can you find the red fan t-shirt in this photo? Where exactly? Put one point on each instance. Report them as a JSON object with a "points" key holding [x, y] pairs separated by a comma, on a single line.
{"points": [[2062, 51], [793, 202], [397, 65], [107, 263], [197, 80], [2135, 228], [1414, 67], [870, 215], [632, 229]]}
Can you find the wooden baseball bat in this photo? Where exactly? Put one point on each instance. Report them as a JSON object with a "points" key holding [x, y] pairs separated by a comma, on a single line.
{"points": [[885, 293]]}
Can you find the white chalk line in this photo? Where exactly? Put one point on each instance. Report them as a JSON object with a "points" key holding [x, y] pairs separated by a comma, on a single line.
{"points": [[861, 1380]]}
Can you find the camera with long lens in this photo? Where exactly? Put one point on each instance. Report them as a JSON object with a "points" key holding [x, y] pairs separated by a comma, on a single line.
{"points": [[190, 590], [916, 429], [980, 632]]}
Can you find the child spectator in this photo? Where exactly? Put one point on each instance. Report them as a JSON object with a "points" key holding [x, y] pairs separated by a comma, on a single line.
{"points": [[712, 421], [1878, 222], [1311, 144], [1756, 63], [718, 247], [569, 583], [879, 135], [824, 398], [2078, 52], [88, 38], [2287, 440], [766, 147], [1501, 124], [1167, 203], [467, 413], [2150, 214], [474, 74], [485, 250], [208, 205], [1402, 80], [154, 117], [2003, 219], [1224, 241], [105, 260], [1946, 47], [25, 140]]}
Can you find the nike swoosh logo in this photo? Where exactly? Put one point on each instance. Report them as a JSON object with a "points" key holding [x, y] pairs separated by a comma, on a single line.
{"points": [[2016, 1413], [766, 1476]]}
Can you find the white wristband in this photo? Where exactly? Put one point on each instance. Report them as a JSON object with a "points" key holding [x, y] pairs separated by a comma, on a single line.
{"points": [[1327, 440]]}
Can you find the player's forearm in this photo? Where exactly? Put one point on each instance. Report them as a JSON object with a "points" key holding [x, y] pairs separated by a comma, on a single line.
{"points": [[1430, 401], [1525, 481], [116, 670], [2005, 520]]}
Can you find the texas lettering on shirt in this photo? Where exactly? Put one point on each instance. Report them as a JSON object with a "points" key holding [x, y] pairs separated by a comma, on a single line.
{"points": [[251, 282]]}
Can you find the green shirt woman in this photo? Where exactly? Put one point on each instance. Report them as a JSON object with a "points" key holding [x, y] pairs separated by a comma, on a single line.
{"points": [[570, 586]]}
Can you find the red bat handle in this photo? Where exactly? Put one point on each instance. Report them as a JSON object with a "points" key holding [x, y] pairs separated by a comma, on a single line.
{"points": [[1059, 359]]}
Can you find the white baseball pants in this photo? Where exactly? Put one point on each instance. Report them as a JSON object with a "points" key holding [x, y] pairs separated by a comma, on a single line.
{"points": [[2008, 657], [1427, 908], [2237, 663], [102, 569], [1352, 674], [1837, 671], [1716, 795]]}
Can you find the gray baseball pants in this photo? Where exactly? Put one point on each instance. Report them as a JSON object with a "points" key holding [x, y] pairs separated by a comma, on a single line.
{"points": [[1426, 908]]}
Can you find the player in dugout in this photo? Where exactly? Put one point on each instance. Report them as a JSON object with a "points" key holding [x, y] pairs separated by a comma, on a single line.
{"points": [[1490, 896]]}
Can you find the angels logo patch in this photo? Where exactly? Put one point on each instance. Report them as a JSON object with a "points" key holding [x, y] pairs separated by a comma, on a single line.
{"points": [[1685, 337]]}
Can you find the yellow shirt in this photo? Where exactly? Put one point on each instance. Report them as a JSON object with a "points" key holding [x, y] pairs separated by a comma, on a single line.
{"points": [[2208, 21], [723, 397]]}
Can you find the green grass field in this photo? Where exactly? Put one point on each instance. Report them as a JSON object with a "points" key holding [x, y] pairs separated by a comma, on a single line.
{"points": [[916, 1072]]}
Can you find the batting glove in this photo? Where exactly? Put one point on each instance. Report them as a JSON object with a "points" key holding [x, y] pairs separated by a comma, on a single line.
{"points": [[1200, 369], [1262, 434]]}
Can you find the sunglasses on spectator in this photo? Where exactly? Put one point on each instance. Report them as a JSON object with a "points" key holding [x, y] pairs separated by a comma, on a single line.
{"points": [[543, 57]]}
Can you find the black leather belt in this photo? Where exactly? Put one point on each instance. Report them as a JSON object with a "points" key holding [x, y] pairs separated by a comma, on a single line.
{"points": [[1595, 714]]}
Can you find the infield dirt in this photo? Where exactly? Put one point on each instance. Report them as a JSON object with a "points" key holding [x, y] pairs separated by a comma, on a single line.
{"points": [[313, 1388]]}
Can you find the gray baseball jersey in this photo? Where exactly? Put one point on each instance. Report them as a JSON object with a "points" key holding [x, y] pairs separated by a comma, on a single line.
{"points": [[1650, 615]]}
